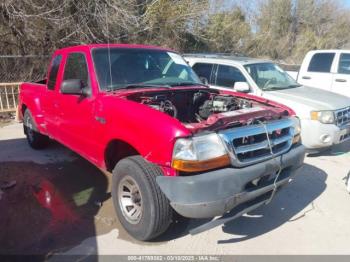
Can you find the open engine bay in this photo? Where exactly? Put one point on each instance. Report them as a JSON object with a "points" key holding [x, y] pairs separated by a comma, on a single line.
{"points": [[207, 108]]}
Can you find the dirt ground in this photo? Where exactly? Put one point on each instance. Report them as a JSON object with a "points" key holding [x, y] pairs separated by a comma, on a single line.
{"points": [[6, 119], [61, 204]]}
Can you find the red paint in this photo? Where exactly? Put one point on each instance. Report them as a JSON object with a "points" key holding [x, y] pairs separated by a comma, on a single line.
{"points": [[72, 120]]}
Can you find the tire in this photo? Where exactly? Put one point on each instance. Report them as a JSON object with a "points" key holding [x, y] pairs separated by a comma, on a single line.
{"points": [[34, 138], [153, 213]]}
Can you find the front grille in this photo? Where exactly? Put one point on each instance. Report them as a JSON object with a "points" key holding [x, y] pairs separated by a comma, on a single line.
{"points": [[249, 144], [342, 116]]}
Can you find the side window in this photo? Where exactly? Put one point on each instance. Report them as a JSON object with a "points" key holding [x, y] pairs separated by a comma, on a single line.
{"points": [[55, 65], [344, 64], [227, 76], [76, 68], [321, 62], [203, 70]]}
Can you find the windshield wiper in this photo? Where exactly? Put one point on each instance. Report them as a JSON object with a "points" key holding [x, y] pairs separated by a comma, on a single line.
{"points": [[131, 86], [188, 84], [279, 87], [293, 86], [271, 88]]}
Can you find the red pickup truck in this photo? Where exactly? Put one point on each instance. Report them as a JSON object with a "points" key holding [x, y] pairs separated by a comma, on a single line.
{"points": [[171, 143]]}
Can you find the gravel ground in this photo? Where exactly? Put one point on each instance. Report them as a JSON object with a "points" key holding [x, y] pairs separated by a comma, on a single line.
{"points": [[61, 204]]}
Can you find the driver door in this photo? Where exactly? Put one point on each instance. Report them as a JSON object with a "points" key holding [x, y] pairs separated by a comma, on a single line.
{"points": [[76, 112]]}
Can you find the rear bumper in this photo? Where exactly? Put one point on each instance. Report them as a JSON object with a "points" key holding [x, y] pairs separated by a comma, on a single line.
{"points": [[216, 192]]}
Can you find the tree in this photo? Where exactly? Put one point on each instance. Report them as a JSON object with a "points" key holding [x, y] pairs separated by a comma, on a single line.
{"points": [[321, 25], [41, 26], [228, 32], [274, 29], [278, 29], [172, 23]]}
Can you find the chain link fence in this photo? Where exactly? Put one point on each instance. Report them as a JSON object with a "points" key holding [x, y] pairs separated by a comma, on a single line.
{"points": [[14, 70]]}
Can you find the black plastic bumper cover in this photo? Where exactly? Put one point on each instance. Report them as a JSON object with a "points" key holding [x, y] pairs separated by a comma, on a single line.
{"points": [[216, 192]]}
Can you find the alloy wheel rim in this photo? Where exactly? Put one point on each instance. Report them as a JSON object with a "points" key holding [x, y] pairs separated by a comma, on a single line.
{"points": [[130, 200]]}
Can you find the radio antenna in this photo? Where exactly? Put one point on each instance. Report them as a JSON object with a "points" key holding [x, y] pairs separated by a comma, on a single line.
{"points": [[108, 48]]}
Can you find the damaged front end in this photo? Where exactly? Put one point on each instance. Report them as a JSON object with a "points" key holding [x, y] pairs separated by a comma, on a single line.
{"points": [[241, 152], [227, 129]]}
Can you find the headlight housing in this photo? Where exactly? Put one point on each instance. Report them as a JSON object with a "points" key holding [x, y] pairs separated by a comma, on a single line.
{"points": [[199, 153], [297, 130], [325, 117]]}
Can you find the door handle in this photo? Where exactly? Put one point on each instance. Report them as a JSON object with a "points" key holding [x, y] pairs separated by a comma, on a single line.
{"points": [[340, 80], [306, 77]]}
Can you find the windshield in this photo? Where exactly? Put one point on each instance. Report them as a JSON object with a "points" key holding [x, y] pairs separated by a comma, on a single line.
{"points": [[269, 76], [118, 68]]}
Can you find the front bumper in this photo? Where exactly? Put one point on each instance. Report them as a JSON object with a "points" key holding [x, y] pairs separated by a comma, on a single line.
{"points": [[316, 135], [216, 192]]}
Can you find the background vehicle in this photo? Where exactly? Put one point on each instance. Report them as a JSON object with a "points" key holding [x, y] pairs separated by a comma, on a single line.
{"points": [[324, 115], [325, 69], [171, 142]]}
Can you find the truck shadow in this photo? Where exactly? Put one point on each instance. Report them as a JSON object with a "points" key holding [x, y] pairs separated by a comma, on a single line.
{"points": [[52, 206], [299, 195], [336, 150]]}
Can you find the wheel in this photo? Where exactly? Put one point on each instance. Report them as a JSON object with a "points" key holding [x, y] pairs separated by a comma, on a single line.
{"points": [[143, 210], [34, 138]]}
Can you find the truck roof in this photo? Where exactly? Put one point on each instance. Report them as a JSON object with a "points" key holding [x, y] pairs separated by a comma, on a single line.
{"points": [[224, 58], [329, 50], [91, 46]]}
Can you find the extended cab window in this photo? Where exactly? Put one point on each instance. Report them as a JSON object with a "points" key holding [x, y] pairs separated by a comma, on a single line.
{"points": [[76, 68], [204, 70], [344, 64], [55, 65], [321, 63], [227, 76]]}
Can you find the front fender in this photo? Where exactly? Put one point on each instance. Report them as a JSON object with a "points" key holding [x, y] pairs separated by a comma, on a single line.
{"points": [[150, 132]]}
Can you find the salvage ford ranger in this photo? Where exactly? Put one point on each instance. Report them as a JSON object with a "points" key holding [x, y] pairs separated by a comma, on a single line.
{"points": [[171, 143]]}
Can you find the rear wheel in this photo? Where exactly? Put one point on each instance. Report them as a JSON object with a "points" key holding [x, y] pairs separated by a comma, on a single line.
{"points": [[34, 138], [141, 207]]}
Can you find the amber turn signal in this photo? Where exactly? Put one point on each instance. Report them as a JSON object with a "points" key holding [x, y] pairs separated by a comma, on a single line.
{"points": [[197, 166]]}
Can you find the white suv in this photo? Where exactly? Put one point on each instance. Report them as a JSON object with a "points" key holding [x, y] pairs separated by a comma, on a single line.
{"points": [[324, 116]]}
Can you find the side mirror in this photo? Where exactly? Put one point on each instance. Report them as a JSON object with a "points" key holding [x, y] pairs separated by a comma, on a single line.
{"points": [[204, 80], [242, 87], [72, 87]]}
